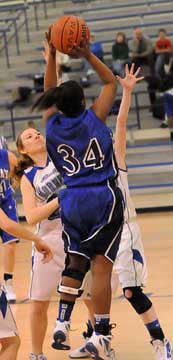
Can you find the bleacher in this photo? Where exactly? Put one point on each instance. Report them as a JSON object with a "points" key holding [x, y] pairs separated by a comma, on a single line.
{"points": [[22, 27]]}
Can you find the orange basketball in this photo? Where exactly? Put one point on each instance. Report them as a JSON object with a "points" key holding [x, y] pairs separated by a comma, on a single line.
{"points": [[68, 30]]}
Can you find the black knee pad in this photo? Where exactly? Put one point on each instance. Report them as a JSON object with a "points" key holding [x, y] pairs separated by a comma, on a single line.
{"points": [[74, 274], [138, 299], [76, 267]]}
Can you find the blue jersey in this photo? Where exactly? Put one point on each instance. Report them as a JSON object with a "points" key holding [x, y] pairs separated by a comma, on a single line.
{"points": [[81, 148], [5, 189]]}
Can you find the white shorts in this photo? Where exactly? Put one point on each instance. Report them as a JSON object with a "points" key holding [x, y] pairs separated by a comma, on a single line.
{"points": [[130, 263], [46, 277], [8, 326]]}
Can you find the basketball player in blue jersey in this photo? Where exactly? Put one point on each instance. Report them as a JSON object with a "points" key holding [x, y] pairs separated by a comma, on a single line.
{"points": [[80, 145], [130, 264], [39, 183], [9, 241], [9, 338]]}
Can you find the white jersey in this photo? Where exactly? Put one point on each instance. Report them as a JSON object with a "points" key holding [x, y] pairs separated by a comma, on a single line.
{"points": [[130, 212], [46, 182]]}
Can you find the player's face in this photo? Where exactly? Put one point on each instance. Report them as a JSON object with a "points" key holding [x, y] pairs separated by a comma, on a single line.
{"points": [[33, 141]]}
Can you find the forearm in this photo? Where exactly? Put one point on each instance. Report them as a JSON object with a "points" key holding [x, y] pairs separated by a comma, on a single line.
{"points": [[39, 213], [104, 73], [50, 78], [124, 108], [120, 132], [15, 229]]}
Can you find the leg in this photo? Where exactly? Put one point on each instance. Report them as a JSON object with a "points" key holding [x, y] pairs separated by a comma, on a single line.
{"points": [[9, 257], [72, 278], [101, 290], [82, 352], [131, 267], [43, 284], [146, 311], [159, 65], [38, 323], [9, 242], [101, 301], [10, 347], [9, 263], [137, 61]]}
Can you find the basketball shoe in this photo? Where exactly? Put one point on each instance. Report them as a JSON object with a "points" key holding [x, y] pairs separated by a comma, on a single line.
{"points": [[162, 349], [81, 352], [9, 291], [37, 357], [99, 347], [61, 335]]}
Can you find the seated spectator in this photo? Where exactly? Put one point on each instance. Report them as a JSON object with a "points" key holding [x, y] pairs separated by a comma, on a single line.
{"points": [[162, 50], [120, 54], [96, 47], [157, 85], [142, 50], [97, 50]]}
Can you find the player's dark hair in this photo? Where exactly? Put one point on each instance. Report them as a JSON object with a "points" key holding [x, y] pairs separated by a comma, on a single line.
{"points": [[24, 160], [68, 98]]}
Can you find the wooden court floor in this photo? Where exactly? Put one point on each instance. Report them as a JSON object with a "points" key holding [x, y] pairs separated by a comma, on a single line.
{"points": [[131, 341]]}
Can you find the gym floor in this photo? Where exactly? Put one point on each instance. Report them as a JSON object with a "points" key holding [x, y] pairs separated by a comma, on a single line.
{"points": [[131, 340]]}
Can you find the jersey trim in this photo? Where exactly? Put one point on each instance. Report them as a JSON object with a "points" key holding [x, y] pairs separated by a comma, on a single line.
{"points": [[124, 170]]}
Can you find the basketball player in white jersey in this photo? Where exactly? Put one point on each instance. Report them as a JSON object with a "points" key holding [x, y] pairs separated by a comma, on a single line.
{"points": [[40, 182], [9, 338], [130, 264]]}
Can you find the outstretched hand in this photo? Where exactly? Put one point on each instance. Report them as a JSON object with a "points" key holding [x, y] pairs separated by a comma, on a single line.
{"points": [[130, 78], [48, 47], [82, 51]]}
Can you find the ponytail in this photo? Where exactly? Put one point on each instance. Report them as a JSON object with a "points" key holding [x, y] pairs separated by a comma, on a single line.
{"points": [[48, 99], [24, 162], [68, 98]]}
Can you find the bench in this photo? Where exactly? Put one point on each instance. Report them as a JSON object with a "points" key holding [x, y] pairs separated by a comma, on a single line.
{"points": [[12, 20], [14, 6], [127, 16], [159, 24], [112, 6], [3, 36], [141, 136]]}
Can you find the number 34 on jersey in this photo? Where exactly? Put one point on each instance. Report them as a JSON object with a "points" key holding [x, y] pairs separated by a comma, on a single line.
{"points": [[93, 157]]}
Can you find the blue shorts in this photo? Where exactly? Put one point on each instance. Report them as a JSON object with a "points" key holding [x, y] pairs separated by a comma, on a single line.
{"points": [[9, 207], [92, 218]]}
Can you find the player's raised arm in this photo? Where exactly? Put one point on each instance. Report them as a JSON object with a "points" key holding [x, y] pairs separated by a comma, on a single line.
{"points": [[20, 231], [49, 54], [103, 104], [128, 84]]}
